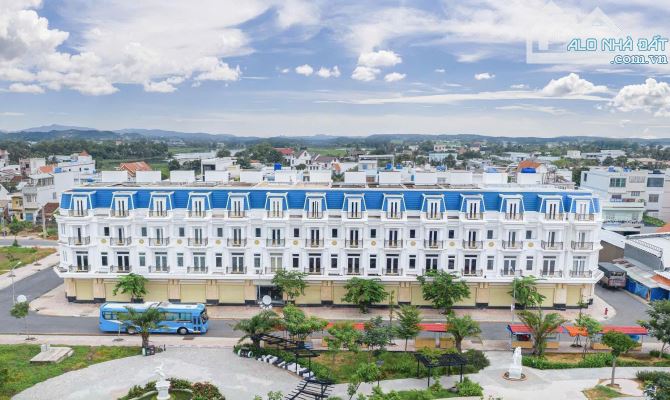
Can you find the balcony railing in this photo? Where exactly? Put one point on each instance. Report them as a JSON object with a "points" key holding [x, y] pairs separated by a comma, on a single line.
{"points": [[314, 214], [514, 216], [551, 245], [119, 213], [196, 270], [510, 272], [354, 215], [393, 215], [79, 241], [275, 214], [584, 217], [158, 213], [434, 215], [237, 214], [472, 272], [547, 273], [275, 242], [77, 213], [554, 216], [79, 268], [393, 271], [315, 271], [473, 244], [392, 244], [582, 245], [353, 271], [432, 244], [236, 271], [237, 242], [197, 214], [577, 273], [197, 242], [159, 241], [120, 241], [512, 244], [120, 269], [160, 269], [353, 244], [473, 216], [313, 243]]}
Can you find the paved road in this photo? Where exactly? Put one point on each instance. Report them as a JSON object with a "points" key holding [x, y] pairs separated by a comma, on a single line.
{"points": [[629, 308], [7, 241]]}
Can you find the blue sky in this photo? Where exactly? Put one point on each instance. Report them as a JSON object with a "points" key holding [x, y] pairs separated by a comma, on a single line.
{"points": [[268, 67]]}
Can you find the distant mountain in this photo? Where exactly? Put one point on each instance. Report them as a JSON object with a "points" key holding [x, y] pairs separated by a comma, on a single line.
{"points": [[163, 134], [35, 136], [56, 127]]}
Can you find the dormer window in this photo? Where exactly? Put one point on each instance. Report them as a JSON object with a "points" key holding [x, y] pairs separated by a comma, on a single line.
{"points": [[513, 210], [553, 210], [433, 210], [159, 207], [276, 208], [314, 210], [79, 207], [394, 210], [236, 207], [472, 209], [120, 207], [355, 209], [197, 207]]}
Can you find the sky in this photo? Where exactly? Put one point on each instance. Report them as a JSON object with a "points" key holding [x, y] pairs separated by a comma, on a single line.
{"points": [[293, 67]]}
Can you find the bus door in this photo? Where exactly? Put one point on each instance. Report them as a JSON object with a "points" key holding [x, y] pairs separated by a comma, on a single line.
{"points": [[197, 325]]}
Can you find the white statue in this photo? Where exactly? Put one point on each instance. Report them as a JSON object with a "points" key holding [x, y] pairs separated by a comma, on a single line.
{"points": [[163, 385], [514, 371], [160, 373]]}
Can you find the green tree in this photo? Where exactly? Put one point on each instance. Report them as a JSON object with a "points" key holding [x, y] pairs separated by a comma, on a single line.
{"points": [[133, 284], [291, 283], [540, 326], [365, 373], [223, 153], [591, 328], [443, 290], [20, 310], [15, 227], [298, 325], [620, 344], [343, 334], [409, 318], [659, 322], [524, 289], [142, 322], [264, 322], [364, 292], [461, 328], [376, 334]]}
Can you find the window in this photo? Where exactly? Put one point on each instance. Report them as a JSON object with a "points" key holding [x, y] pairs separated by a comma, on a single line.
{"points": [[373, 261], [353, 264], [529, 234], [143, 231], [637, 178], [333, 261], [490, 263], [579, 264], [655, 182], [237, 263], [218, 260], [276, 262], [180, 259], [635, 194], [219, 232], [529, 263], [296, 232], [431, 262], [509, 265], [105, 231], [103, 259], [451, 234], [314, 263], [333, 233], [161, 261], [548, 265], [258, 232], [489, 234], [296, 261], [412, 262], [653, 198], [618, 182], [373, 233], [257, 262], [143, 259], [412, 233], [451, 262], [182, 231]]}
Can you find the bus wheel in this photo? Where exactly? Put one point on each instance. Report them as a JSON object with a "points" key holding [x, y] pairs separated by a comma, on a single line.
{"points": [[131, 330], [182, 331]]}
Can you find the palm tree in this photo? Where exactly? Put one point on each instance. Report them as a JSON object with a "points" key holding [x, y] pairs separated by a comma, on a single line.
{"points": [[462, 327], [142, 322], [263, 322], [540, 326]]}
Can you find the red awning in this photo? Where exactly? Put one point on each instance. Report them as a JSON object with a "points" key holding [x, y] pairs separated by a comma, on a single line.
{"points": [[523, 329], [627, 330], [575, 331]]}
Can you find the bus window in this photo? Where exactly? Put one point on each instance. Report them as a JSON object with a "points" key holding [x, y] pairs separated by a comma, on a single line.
{"points": [[203, 316], [184, 316]]}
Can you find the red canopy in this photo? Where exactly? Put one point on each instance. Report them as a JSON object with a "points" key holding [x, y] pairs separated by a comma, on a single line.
{"points": [[627, 330]]}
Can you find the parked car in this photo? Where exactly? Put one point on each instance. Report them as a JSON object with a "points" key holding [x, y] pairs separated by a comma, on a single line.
{"points": [[614, 277]]}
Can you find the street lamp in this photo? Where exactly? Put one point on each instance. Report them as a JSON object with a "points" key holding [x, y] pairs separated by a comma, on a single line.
{"points": [[11, 275]]}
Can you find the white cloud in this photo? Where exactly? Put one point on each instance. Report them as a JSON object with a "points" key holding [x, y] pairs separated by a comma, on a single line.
{"points": [[440, 70], [571, 84], [296, 12], [329, 72], [159, 87], [651, 96], [484, 76], [519, 86], [23, 88], [285, 70], [381, 58], [219, 71], [365, 74], [472, 57], [304, 69], [535, 108], [394, 77], [11, 114]]}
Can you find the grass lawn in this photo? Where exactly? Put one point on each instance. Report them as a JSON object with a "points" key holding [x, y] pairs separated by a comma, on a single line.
{"points": [[22, 374], [636, 357], [601, 392], [9, 255], [327, 151]]}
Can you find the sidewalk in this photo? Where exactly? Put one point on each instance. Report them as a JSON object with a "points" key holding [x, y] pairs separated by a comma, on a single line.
{"points": [[27, 270], [54, 303]]}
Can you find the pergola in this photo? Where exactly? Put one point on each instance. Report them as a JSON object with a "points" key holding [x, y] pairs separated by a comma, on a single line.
{"points": [[447, 360], [298, 349]]}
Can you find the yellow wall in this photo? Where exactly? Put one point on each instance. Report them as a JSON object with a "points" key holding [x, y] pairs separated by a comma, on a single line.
{"points": [[156, 292], [109, 293], [417, 297], [84, 289], [193, 293], [469, 301], [312, 295], [574, 294], [231, 293], [498, 296], [338, 292], [548, 293]]}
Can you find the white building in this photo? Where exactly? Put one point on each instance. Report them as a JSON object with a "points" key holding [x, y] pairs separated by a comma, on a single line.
{"points": [[221, 243]]}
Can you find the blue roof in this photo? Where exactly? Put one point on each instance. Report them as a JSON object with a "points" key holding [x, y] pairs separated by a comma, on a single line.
{"points": [[374, 198]]}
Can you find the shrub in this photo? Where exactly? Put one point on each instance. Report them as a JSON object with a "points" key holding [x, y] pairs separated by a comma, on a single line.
{"points": [[206, 390], [656, 353], [652, 376], [596, 360], [476, 361], [469, 388], [176, 383]]}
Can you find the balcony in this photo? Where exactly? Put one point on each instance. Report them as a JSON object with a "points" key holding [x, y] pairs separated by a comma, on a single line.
{"points": [[554, 217], [77, 213], [313, 243], [120, 241], [196, 270], [275, 242], [513, 217], [237, 214], [237, 242], [119, 213], [159, 242], [353, 244], [393, 215], [393, 271], [275, 214], [578, 273], [581, 246], [473, 216], [551, 273], [157, 213], [432, 244], [197, 242], [509, 272], [473, 244], [79, 268], [314, 215], [354, 215], [551, 245], [120, 269], [161, 269], [512, 244], [585, 217], [392, 244], [472, 272], [434, 216], [353, 271], [315, 271], [79, 241], [197, 214], [236, 270]]}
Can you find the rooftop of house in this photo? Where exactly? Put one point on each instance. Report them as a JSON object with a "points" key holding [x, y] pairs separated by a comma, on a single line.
{"points": [[133, 167]]}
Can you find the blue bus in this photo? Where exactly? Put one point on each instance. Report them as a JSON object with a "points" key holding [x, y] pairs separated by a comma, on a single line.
{"points": [[177, 318]]}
